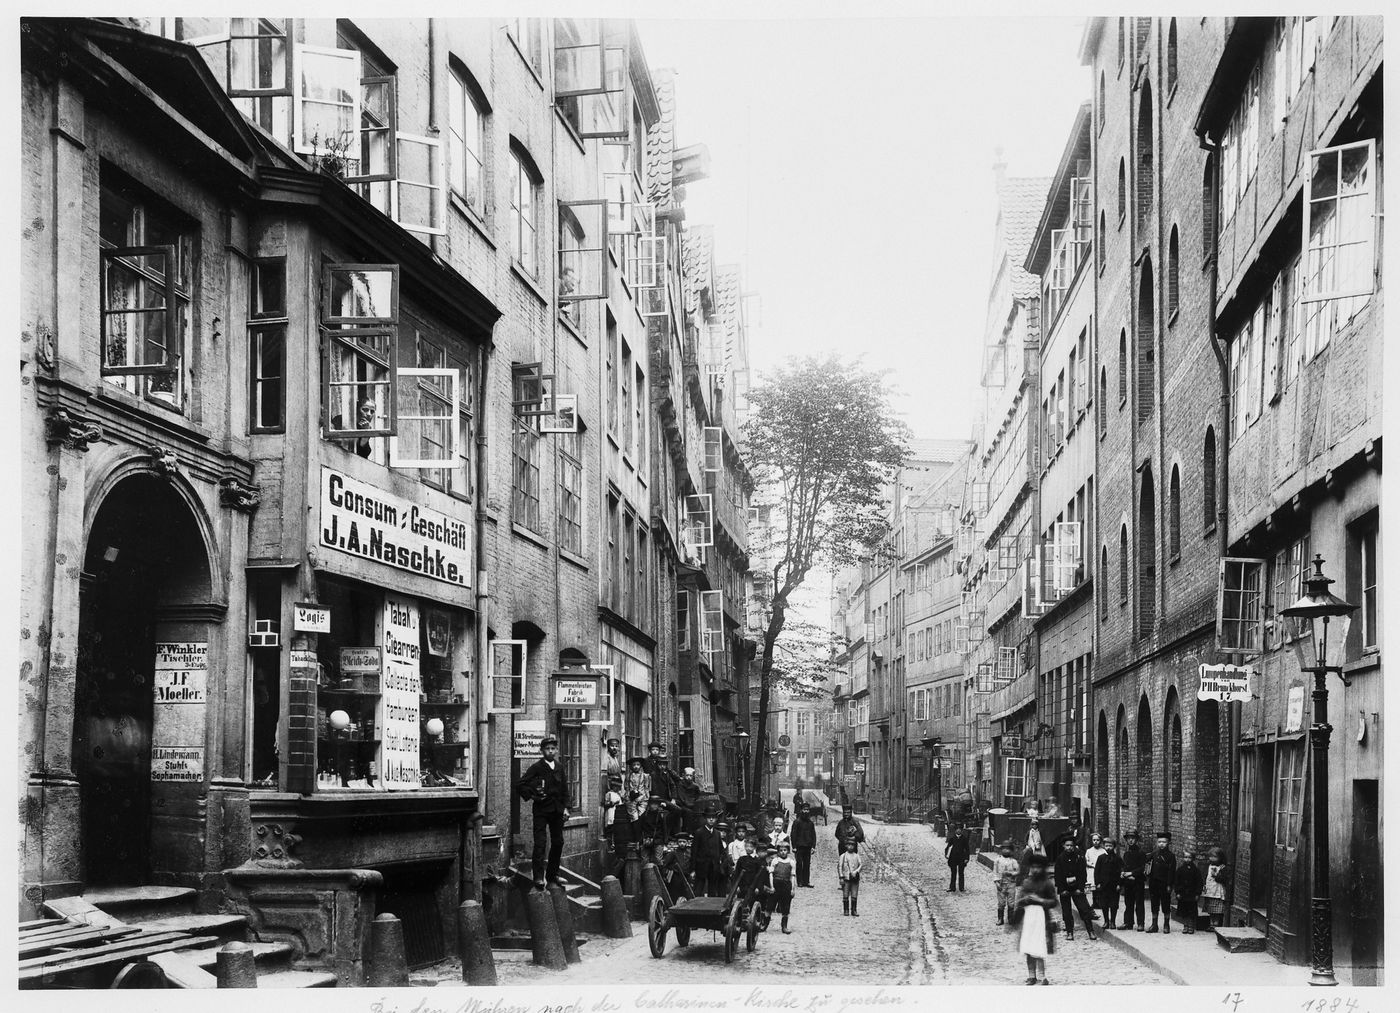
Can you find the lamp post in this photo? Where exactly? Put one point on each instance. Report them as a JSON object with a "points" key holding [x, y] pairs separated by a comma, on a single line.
{"points": [[741, 739], [1310, 643]]}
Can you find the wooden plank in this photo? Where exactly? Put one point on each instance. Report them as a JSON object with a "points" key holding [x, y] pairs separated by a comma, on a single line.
{"points": [[118, 948], [45, 972], [40, 923], [85, 937], [70, 927]]}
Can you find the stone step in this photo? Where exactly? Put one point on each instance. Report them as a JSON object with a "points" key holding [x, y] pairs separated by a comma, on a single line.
{"points": [[269, 957], [297, 979], [131, 902], [1241, 939], [227, 928]]}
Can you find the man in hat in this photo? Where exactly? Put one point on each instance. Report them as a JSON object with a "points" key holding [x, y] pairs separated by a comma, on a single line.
{"points": [[1161, 875], [1108, 879], [804, 839], [663, 782], [958, 853], [849, 830], [545, 786], [688, 797], [711, 858], [613, 775], [651, 829], [1134, 882]]}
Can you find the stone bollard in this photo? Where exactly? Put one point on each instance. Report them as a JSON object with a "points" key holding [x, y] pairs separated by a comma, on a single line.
{"points": [[651, 887], [388, 967], [234, 966], [632, 872], [544, 931], [564, 918], [616, 923], [474, 945]]}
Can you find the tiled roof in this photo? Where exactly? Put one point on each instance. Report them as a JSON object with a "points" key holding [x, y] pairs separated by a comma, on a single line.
{"points": [[727, 295], [937, 451], [699, 262], [661, 141], [1021, 199]]}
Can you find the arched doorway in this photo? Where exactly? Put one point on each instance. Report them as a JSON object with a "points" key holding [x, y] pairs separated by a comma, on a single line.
{"points": [[1145, 771], [146, 557], [1101, 789]]}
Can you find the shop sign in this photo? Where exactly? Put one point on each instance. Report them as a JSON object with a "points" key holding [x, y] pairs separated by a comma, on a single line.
{"points": [[360, 668], [572, 692], [1296, 695], [859, 767], [1224, 683], [180, 712], [528, 735], [309, 618], [305, 659], [400, 687], [369, 523]]}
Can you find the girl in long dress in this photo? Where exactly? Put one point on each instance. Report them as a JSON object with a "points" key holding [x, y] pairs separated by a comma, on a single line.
{"points": [[1034, 899]]}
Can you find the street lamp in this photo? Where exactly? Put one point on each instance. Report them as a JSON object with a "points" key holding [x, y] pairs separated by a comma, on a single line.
{"points": [[1310, 644], [741, 739]]}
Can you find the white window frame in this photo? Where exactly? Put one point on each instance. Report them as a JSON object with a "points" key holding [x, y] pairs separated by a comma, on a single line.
{"points": [[714, 448], [610, 681], [437, 187], [699, 520], [348, 333], [493, 677], [646, 269], [1312, 292], [1067, 536], [586, 244], [1008, 664], [453, 449], [712, 629], [305, 57], [1015, 774], [564, 419]]}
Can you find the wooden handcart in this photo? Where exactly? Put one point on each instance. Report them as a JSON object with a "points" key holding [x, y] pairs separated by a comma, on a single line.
{"points": [[735, 916]]}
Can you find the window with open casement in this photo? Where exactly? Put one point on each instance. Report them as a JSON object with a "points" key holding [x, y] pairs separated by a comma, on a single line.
{"points": [[1015, 776], [146, 280], [1239, 606], [699, 530], [712, 622], [267, 345], [583, 251], [428, 404], [326, 111], [508, 676], [1339, 222], [592, 85], [359, 321], [1065, 558], [1081, 190], [1061, 270], [714, 448], [1008, 665]]}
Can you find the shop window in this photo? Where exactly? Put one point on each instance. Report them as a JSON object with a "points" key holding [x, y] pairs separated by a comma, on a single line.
{"points": [[571, 759], [265, 613], [147, 269], [467, 117], [1239, 622], [509, 673], [525, 183], [267, 346], [359, 317]]}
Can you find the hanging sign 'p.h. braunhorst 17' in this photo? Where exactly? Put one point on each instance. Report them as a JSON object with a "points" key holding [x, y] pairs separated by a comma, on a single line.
{"points": [[369, 523]]}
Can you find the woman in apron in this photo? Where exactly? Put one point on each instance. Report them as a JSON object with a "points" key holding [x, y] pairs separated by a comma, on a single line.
{"points": [[1035, 903]]}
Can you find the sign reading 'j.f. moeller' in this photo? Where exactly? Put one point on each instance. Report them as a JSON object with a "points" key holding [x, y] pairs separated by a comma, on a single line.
{"points": [[369, 523]]}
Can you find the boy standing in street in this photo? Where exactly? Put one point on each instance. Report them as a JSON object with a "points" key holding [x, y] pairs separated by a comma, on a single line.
{"points": [[1189, 882], [804, 839], [1134, 880], [1108, 875], [1161, 875], [545, 786], [1005, 870], [782, 872], [848, 868]]}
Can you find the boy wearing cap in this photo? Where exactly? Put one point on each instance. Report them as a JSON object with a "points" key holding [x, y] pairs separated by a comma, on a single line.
{"points": [[651, 829], [849, 830], [782, 871], [1161, 875], [1189, 882], [804, 839], [1108, 876], [544, 784], [1005, 871], [1134, 881], [848, 868]]}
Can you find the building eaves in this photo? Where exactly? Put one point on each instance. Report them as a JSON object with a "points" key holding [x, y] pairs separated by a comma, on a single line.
{"points": [[1021, 200], [1057, 202], [1089, 42]]}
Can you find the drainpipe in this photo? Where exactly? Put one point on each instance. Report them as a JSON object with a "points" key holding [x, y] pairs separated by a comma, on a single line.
{"points": [[483, 591], [1222, 485]]}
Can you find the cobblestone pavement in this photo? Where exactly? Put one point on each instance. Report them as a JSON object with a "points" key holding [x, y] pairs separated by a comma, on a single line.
{"points": [[824, 948], [969, 948]]}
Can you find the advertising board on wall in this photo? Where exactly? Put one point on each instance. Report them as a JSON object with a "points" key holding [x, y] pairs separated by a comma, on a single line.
{"points": [[179, 684], [399, 689], [362, 521]]}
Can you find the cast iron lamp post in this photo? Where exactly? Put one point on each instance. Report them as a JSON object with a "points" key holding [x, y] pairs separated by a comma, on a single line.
{"points": [[741, 739], [1310, 643]]}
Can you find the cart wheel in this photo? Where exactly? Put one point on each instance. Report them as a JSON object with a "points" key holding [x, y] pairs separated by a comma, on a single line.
{"points": [[755, 917], [731, 932], [682, 935], [656, 927]]}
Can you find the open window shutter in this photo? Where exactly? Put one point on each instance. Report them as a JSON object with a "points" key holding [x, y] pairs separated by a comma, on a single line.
{"points": [[326, 103], [140, 314], [649, 266], [428, 401], [699, 517], [419, 187], [609, 674], [580, 63], [1239, 605], [583, 262], [1339, 188], [714, 457], [509, 677], [712, 617], [376, 154], [259, 58], [533, 390], [607, 112]]}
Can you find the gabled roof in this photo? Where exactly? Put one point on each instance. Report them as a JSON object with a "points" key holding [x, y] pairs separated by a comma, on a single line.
{"points": [[1020, 201], [661, 141]]}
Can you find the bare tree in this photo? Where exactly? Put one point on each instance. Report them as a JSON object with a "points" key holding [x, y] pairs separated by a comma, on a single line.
{"points": [[823, 443]]}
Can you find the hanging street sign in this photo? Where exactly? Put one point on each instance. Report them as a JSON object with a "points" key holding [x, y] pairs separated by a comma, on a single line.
{"points": [[1224, 683], [309, 618], [574, 692]]}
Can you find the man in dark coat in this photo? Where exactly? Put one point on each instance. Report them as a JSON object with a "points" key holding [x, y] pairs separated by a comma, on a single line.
{"points": [[1161, 875], [711, 858], [804, 839], [688, 798], [957, 853], [848, 829], [663, 783], [1134, 883], [1070, 876], [651, 830], [1108, 878], [544, 784]]}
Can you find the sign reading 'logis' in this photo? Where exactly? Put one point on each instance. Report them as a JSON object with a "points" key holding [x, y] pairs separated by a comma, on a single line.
{"points": [[369, 523]]}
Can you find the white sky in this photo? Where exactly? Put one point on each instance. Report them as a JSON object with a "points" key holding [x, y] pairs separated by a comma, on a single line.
{"points": [[851, 177]]}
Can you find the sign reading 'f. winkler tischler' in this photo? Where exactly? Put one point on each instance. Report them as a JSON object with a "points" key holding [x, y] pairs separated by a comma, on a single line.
{"points": [[369, 523]]}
